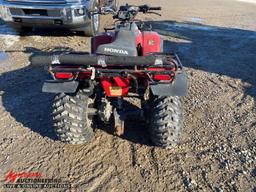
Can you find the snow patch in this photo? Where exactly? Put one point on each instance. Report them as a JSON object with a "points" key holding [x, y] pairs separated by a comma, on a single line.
{"points": [[4, 61], [248, 1], [196, 20], [3, 57], [189, 26], [8, 36]]}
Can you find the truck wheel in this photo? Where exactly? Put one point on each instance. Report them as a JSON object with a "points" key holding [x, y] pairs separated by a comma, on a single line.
{"points": [[166, 121], [114, 4], [94, 21], [71, 117]]}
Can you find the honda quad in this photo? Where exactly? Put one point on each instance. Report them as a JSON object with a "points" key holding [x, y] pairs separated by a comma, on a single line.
{"points": [[126, 61]]}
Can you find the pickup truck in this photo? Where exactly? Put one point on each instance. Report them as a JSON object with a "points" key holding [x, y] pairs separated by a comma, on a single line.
{"points": [[76, 15]]}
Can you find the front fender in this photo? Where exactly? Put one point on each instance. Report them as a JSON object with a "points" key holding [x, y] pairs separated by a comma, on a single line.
{"points": [[179, 87]]}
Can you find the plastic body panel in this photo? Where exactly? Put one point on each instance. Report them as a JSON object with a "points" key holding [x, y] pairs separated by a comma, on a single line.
{"points": [[116, 86], [151, 42], [101, 39]]}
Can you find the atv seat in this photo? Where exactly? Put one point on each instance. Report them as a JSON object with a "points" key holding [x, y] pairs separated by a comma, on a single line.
{"points": [[124, 45]]}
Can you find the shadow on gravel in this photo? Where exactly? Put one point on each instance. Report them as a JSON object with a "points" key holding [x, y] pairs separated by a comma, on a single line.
{"points": [[136, 129], [23, 99], [224, 51], [51, 32], [22, 96]]}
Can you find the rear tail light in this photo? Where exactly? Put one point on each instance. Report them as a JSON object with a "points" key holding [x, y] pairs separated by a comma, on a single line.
{"points": [[63, 75], [160, 77]]}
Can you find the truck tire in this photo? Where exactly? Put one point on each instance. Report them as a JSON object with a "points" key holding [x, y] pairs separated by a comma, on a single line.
{"points": [[94, 21], [166, 121], [114, 4], [71, 118]]}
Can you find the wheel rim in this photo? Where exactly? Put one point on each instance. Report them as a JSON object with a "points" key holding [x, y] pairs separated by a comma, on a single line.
{"points": [[96, 21], [90, 117]]}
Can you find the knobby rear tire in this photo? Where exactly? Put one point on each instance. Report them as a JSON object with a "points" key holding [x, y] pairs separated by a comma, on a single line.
{"points": [[166, 121], [72, 122]]}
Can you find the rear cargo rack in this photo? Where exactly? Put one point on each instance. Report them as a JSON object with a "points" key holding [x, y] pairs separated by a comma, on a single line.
{"points": [[83, 60]]}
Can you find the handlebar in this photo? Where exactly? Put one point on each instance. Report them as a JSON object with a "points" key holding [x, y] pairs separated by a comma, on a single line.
{"points": [[155, 8], [143, 8], [146, 8]]}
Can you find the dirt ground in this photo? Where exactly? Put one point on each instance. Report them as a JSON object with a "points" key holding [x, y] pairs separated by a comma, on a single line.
{"points": [[216, 41]]}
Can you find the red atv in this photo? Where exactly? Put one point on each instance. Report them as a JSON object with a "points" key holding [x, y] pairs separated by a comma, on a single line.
{"points": [[125, 61]]}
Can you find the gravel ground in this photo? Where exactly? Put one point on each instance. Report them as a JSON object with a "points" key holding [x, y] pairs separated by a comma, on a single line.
{"points": [[216, 41]]}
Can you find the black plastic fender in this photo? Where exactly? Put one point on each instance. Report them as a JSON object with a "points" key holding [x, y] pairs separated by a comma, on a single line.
{"points": [[179, 87], [53, 86]]}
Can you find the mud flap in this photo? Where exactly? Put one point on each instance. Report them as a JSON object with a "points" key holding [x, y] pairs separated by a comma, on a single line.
{"points": [[60, 86], [178, 88]]}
